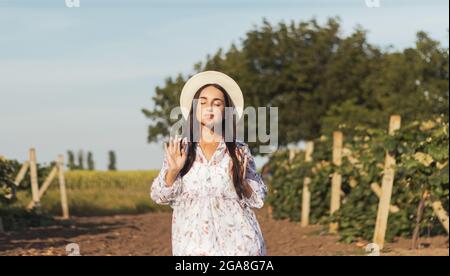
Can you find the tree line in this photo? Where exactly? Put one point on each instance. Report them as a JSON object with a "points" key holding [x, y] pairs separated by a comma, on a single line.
{"points": [[77, 162], [320, 79]]}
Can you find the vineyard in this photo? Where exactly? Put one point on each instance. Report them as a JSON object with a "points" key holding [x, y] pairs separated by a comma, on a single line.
{"points": [[344, 106], [335, 185], [419, 193], [301, 186]]}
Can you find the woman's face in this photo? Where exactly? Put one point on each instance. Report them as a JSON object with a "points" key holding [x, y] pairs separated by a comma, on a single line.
{"points": [[211, 106]]}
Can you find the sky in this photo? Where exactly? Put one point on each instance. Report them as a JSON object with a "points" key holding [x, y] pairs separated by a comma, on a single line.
{"points": [[77, 78]]}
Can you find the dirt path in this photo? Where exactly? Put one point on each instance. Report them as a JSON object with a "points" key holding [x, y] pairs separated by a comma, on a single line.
{"points": [[149, 234]]}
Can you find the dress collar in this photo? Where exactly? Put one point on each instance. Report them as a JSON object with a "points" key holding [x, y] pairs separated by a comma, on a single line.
{"points": [[217, 155]]}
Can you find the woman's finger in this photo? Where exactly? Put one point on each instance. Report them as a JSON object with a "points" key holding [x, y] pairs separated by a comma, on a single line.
{"points": [[166, 150], [178, 146], [245, 167], [168, 146], [182, 151], [184, 145], [171, 146], [240, 154]]}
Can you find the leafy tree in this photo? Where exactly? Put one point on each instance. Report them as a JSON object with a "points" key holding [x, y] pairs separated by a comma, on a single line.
{"points": [[90, 161], [80, 160], [320, 79], [413, 84], [71, 160], [112, 161], [7, 187]]}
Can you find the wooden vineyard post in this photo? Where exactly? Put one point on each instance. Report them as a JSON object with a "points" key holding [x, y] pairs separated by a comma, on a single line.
{"points": [[270, 208], [291, 154], [377, 190], [336, 181], [270, 211], [306, 194], [45, 186], [22, 172], [34, 181], [439, 211], [386, 189], [62, 187]]}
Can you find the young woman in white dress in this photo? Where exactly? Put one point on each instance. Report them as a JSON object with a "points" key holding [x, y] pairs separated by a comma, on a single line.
{"points": [[211, 184]]}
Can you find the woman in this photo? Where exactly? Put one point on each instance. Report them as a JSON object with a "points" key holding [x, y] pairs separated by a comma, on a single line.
{"points": [[211, 183]]}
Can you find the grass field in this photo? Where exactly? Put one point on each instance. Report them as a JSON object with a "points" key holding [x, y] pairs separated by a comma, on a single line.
{"points": [[92, 193]]}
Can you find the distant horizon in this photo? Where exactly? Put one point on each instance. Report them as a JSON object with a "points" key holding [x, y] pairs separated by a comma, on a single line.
{"points": [[77, 78]]}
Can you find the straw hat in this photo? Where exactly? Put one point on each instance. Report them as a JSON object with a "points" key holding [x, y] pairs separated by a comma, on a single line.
{"points": [[211, 77]]}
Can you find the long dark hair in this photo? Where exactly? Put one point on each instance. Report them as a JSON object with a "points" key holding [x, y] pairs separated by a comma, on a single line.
{"points": [[228, 124]]}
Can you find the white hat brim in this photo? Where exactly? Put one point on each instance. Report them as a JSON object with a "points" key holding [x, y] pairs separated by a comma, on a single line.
{"points": [[210, 77]]}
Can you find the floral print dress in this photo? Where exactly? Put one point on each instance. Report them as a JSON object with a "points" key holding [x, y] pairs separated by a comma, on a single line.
{"points": [[208, 216]]}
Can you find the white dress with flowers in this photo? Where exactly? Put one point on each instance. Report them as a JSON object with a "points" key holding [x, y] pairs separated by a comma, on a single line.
{"points": [[208, 216]]}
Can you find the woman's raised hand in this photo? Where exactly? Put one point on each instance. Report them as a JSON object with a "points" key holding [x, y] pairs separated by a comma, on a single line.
{"points": [[176, 151], [243, 161]]}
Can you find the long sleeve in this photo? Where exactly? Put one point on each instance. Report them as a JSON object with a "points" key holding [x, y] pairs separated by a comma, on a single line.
{"points": [[254, 179], [208, 217], [160, 192]]}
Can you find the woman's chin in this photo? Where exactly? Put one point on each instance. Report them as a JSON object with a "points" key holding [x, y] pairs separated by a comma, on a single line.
{"points": [[209, 123]]}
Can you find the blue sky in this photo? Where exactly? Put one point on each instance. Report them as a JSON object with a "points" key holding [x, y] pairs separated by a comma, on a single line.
{"points": [[77, 78]]}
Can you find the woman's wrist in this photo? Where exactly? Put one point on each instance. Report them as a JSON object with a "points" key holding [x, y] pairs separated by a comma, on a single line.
{"points": [[171, 175], [248, 191], [173, 172]]}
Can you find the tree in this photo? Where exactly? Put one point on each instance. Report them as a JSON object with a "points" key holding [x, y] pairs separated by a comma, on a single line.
{"points": [[319, 79], [112, 161], [90, 161], [71, 160], [80, 160], [7, 186], [412, 83]]}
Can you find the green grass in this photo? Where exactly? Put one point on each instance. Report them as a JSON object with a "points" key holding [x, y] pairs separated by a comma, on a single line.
{"points": [[92, 193]]}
